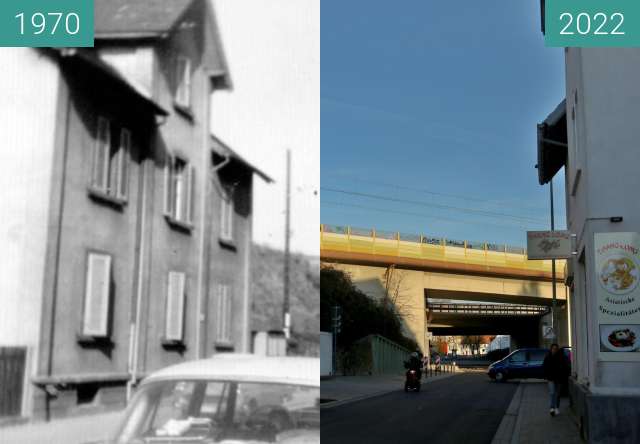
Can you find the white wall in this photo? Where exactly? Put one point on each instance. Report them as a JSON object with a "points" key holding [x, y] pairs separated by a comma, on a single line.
{"points": [[605, 146], [29, 86], [135, 64], [326, 353]]}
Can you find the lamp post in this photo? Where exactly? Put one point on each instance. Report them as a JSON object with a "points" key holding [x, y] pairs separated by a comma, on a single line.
{"points": [[286, 321], [553, 270]]}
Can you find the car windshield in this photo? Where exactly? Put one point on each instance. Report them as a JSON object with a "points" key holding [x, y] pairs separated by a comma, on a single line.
{"points": [[204, 411]]}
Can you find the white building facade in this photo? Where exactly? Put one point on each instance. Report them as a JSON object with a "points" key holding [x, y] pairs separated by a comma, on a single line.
{"points": [[595, 137]]}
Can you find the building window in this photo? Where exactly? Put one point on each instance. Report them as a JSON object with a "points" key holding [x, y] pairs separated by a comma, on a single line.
{"points": [[183, 82], [223, 315], [95, 319], [226, 216], [174, 316], [109, 177], [179, 191]]}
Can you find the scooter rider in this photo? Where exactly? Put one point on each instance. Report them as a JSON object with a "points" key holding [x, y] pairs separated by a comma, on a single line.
{"points": [[414, 363]]}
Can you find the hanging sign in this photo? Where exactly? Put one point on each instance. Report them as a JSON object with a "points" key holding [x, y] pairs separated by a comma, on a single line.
{"points": [[549, 245]]}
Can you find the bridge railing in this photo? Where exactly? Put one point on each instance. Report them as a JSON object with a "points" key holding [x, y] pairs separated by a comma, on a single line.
{"points": [[414, 246], [489, 309]]}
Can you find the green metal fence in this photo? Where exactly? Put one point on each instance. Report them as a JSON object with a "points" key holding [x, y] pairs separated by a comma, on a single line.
{"points": [[387, 357]]}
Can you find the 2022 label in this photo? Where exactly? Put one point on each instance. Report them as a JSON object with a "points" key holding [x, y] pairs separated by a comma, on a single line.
{"points": [[598, 24]]}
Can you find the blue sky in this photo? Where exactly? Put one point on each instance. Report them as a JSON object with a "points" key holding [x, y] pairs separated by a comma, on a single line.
{"points": [[428, 117]]}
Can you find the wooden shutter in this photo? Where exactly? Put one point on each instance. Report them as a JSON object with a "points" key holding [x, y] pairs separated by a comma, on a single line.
{"points": [[187, 82], [223, 333], [183, 74], [190, 199], [96, 300], [168, 187], [220, 314], [174, 325], [123, 163], [223, 216], [229, 204], [100, 171], [226, 216], [227, 313]]}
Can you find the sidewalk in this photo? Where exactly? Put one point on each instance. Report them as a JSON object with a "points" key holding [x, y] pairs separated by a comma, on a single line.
{"points": [[527, 420], [340, 390], [76, 430]]}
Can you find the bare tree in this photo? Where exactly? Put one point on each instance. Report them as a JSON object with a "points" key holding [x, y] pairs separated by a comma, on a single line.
{"points": [[396, 296]]}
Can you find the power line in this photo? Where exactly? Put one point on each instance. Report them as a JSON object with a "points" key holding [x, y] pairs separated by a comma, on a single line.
{"points": [[434, 193], [427, 216], [424, 204]]}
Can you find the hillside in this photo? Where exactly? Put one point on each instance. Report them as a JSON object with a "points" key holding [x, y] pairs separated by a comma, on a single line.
{"points": [[267, 266]]}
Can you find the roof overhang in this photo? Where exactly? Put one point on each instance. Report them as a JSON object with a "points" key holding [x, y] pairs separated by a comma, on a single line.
{"points": [[552, 144], [89, 58], [227, 151]]}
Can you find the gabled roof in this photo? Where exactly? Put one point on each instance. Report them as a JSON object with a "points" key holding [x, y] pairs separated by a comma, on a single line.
{"points": [[137, 18], [155, 19], [227, 151]]}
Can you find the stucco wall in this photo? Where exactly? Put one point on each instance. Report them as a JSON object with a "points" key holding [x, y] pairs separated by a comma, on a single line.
{"points": [[27, 122], [89, 224], [606, 150]]}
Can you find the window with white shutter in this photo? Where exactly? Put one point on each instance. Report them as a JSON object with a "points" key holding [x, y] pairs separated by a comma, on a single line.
{"points": [[101, 155], [123, 164], [226, 216], [109, 174], [95, 320], [183, 81], [223, 314], [179, 191], [174, 320]]}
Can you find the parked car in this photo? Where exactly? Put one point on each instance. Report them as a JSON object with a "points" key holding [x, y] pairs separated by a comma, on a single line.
{"points": [[227, 399], [523, 363]]}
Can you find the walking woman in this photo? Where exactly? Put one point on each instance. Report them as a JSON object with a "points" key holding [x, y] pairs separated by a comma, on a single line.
{"points": [[556, 372]]}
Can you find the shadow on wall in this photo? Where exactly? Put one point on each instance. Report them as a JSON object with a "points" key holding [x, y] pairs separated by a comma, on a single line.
{"points": [[398, 299]]}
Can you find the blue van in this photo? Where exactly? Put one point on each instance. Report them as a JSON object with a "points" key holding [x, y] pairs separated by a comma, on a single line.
{"points": [[521, 364]]}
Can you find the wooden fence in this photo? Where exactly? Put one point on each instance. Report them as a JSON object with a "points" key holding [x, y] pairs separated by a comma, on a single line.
{"points": [[12, 365]]}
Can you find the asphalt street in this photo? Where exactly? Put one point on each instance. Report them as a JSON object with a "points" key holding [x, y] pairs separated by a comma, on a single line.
{"points": [[465, 408]]}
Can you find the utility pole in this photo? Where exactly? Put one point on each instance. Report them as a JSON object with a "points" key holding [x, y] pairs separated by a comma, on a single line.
{"points": [[336, 323], [287, 234], [553, 271]]}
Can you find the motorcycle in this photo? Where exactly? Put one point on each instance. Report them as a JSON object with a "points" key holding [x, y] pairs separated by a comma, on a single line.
{"points": [[412, 381]]}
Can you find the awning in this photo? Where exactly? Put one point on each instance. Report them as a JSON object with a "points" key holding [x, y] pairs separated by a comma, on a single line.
{"points": [[552, 143]]}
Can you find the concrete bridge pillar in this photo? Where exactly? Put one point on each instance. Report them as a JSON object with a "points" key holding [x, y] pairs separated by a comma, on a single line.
{"points": [[404, 290]]}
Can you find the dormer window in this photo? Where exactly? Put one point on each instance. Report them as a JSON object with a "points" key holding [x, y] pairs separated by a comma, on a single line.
{"points": [[183, 83]]}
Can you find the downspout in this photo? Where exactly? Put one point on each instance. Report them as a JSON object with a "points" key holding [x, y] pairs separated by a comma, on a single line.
{"points": [[203, 231], [202, 316], [50, 390], [245, 297], [134, 339], [134, 332]]}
